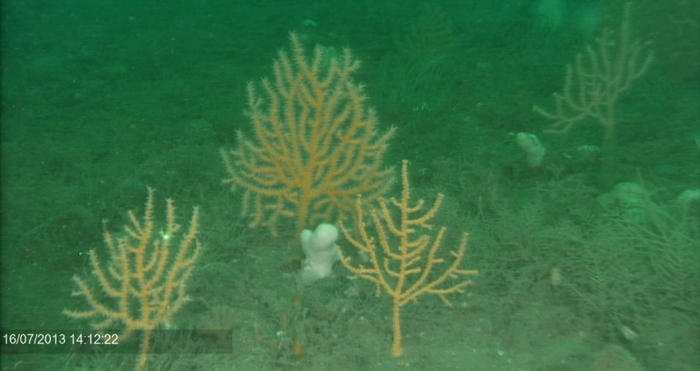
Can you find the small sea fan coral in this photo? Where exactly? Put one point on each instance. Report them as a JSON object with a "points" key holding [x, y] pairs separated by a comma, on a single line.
{"points": [[432, 34]]}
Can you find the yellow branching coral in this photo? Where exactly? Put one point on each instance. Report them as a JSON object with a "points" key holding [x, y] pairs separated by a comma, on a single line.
{"points": [[143, 283], [315, 146], [594, 85], [404, 271]]}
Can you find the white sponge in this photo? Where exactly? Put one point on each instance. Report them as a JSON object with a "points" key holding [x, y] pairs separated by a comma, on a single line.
{"points": [[320, 250], [532, 147]]}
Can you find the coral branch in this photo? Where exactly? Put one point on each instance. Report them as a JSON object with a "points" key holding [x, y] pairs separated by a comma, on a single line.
{"points": [[315, 143], [144, 282], [593, 86], [400, 265]]}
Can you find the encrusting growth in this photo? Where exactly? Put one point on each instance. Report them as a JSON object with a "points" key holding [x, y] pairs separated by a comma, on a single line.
{"points": [[144, 282], [404, 270], [315, 143]]}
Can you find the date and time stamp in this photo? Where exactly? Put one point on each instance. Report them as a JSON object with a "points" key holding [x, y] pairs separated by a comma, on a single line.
{"points": [[55, 341], [63, 338]]}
